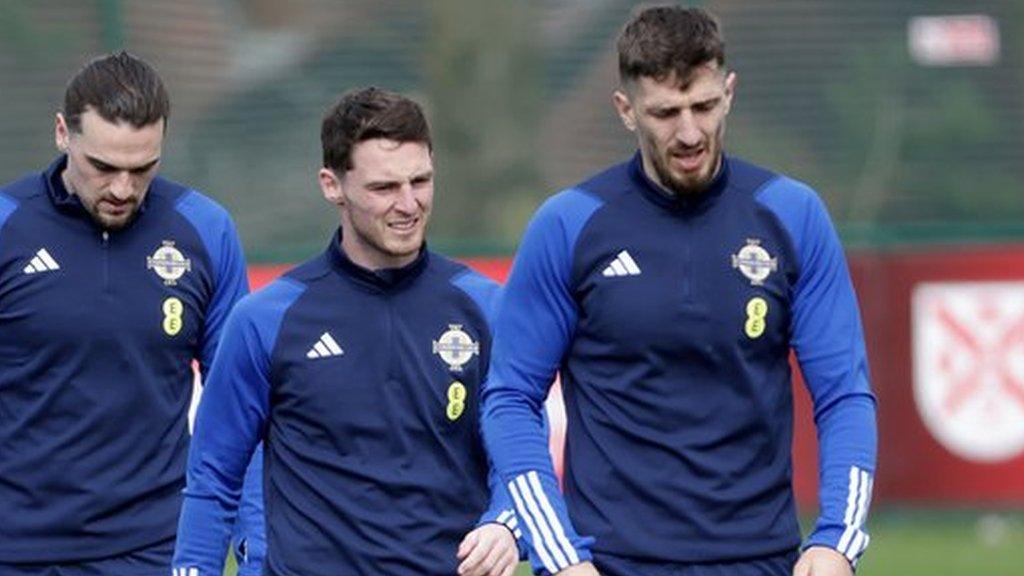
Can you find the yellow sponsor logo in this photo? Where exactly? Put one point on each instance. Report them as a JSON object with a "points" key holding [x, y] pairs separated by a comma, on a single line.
{"points": [[173, 310], [456, 400], [757, 310]]}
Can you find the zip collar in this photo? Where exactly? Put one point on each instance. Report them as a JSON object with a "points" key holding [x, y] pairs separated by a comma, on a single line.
{"points": [[691, 202], [384, 279]]}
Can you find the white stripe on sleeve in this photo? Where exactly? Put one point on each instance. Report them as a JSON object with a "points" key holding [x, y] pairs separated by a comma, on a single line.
{"points": [[552, 518], [538, 543], [534, 512]]}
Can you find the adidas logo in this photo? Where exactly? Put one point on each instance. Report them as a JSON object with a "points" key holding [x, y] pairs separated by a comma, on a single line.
{"points": [[186, 572], [325, 347], [41, 262], [623, 265]]}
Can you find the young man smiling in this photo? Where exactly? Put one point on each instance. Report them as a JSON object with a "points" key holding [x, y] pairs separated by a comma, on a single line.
{"points": [[360, 371], [112, 281], [669, 291]]}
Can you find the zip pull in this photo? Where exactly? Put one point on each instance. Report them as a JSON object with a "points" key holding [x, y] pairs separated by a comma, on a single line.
{"points": [[106, 236]]}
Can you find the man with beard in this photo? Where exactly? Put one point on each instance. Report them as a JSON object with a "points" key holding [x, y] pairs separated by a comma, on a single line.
{"points": [[360, 371], [112, 281], [669, 291]]}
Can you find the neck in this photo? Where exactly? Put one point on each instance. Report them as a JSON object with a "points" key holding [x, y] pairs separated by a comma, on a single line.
{"points": [[373, 261], [67, 182]]}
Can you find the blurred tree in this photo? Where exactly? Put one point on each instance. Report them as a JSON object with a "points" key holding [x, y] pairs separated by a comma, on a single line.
{"points": [[484, 87]]}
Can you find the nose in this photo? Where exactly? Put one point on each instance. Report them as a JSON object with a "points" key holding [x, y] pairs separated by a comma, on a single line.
{"points": [[122, 187], [406, 201], [688, 133]]}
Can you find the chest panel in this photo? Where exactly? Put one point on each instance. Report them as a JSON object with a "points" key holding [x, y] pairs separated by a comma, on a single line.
{"points": [[63, 283], [406, 369], [711, 286]]}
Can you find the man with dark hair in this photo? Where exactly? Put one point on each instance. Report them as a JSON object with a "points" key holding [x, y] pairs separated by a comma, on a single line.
{"points": [[669, 291], [112, 281], [360, 371]]}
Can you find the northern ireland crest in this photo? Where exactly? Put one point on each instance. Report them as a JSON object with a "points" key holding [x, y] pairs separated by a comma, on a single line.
{"points": [[455, 347], [754, 262], [169, 263]]}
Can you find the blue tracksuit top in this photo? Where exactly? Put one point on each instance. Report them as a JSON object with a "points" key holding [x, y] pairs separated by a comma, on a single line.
{"points": [[364, 388], [98, 331], [671, 322]]}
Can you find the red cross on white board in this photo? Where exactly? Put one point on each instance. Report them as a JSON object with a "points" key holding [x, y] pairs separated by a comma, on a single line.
{"points": [[968, 348]]}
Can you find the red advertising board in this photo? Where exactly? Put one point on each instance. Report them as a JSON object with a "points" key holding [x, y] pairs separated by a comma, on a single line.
{"points": [[945, 338]]}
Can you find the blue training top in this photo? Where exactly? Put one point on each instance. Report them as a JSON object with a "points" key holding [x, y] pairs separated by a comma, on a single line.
{"points": [[671, 321], [364, 387], [98, 331]]}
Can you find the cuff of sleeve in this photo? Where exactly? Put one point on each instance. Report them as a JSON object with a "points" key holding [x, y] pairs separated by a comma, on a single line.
{"points": [[849, 541], [508, 519], [584, 554], [203, 537]]}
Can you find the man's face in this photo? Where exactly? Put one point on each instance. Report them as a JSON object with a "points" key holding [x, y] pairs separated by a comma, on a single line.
{"points": [[384, 200], [680, 128], [110, 165]]}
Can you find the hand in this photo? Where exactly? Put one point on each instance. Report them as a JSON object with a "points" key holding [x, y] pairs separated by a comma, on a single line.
{"points": [[490, 550], [582, 569], [822, 561]]}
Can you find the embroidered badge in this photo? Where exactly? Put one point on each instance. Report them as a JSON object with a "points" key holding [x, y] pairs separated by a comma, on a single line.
{"points": [[455, 347], [754, 262], [169, 263]]}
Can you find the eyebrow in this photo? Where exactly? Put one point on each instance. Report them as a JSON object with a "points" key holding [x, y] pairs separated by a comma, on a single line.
{"points": [[384, 183], [103, 165]]}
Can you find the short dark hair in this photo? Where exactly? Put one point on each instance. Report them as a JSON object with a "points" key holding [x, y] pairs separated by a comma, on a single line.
{"points": [[119, 87], [662, 40], [365, 114]]}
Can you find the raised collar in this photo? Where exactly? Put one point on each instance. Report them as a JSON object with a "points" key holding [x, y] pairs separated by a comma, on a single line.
{"points": [[653, 192], [385, 279]]}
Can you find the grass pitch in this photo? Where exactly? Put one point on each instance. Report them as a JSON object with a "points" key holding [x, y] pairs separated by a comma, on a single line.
{"points": [[931, 543]]}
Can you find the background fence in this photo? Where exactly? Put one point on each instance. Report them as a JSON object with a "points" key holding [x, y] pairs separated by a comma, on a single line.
{"points": [[830, 92]]}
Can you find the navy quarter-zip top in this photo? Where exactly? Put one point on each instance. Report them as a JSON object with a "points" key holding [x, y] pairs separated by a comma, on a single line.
{"points": [[364, 387], [670, 321], [98, 332]]}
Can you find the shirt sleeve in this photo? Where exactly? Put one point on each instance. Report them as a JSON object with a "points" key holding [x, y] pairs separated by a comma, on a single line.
{"points": [[229, 425], [249, 541], [534, 324], [217, 232], [486, 294], [828, 340], [231, 285]]}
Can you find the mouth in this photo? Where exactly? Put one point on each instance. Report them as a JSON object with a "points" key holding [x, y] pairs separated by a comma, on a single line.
{"points": [[405, 226], [688, 159], [111, 205]]}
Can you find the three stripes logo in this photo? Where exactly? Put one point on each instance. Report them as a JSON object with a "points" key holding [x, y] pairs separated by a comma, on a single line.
{"points": [[325, 347], [548, 534], [186, 572], [858, 498], [41, 262], [622, 265]]}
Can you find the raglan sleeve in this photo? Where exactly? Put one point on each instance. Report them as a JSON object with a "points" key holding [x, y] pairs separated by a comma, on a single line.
{"points": [[230, 285], [533, 326], [229, 425], [828, 339]]}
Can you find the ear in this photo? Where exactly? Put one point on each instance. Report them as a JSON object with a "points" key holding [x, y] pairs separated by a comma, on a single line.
{"points": [[331, 186], [625, 109], [730, 89], [61, 133]]}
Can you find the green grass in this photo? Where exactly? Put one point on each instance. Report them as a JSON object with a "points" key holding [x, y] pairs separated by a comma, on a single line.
{"points": [[932, 543], [925, 543]]}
